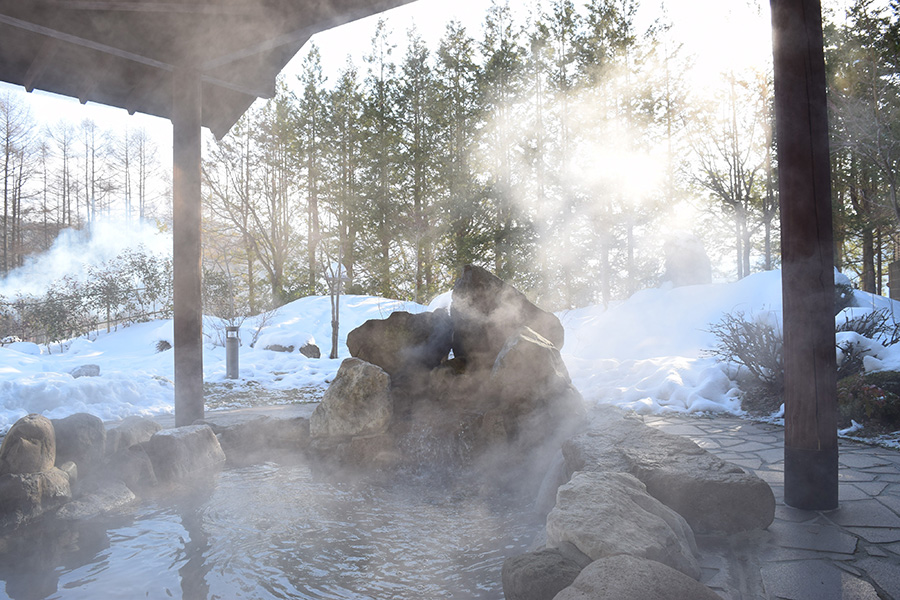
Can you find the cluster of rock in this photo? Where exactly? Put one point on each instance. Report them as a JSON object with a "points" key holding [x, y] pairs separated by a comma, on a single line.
{"points": [[623, 495], [402, 399], [75, 468]]}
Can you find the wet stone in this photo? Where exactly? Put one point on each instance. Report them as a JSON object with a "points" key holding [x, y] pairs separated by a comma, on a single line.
{"points": [[849, 475], [877, 535], [861, 461], [872, 488], [848, 492], [864, 513], [814, 580], [795, 515], [812, 536], [885, 574], [771, 455], [890, 501]]}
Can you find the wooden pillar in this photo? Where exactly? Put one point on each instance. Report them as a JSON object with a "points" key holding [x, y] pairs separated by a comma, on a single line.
{"points": [[804, 185], [188, 350]]}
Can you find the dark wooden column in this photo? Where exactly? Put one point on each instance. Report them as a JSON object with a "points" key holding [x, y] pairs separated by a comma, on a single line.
{"points": [[186, 123], [804, 185]]}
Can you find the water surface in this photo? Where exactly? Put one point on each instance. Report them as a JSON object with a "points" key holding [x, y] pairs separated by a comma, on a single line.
{"points": [[276, 532]]}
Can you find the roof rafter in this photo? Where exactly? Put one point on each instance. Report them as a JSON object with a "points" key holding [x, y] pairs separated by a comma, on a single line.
{"points": [[163, 7]]}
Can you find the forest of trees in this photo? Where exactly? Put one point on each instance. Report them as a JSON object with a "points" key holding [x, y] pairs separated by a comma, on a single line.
{"points": [[555, 148], [69, 176]]}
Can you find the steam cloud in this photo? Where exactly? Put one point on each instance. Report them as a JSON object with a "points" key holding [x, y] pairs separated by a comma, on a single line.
{"points": [[74, 251]]}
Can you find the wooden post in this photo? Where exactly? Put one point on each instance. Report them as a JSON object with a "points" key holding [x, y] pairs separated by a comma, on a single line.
{"points": [[804, 185], [188, 350]]}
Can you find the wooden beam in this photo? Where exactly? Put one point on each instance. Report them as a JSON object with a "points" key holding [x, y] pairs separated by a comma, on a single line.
{"points": [[79, 41], [188, 315], [804, 185], [40, 63], [156, 7]]}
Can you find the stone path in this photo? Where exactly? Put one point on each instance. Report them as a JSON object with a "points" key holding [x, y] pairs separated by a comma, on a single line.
{"points": [[850, 553]]}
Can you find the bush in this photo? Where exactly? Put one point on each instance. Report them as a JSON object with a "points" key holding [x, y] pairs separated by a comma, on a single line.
{"points": [[866, 400], [843, 296], [755, 344]]}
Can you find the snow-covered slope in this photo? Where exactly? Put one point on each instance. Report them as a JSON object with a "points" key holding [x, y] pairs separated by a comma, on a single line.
{"points": [[645, 354]]}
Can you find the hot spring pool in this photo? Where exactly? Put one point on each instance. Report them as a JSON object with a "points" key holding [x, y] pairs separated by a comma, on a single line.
{"points": [[276, 531]]}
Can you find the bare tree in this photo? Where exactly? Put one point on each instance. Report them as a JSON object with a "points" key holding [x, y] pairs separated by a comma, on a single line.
{"points": [[15, 145]]}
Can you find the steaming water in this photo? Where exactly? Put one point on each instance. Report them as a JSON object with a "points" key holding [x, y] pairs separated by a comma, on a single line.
{"points": [[270, 531]]}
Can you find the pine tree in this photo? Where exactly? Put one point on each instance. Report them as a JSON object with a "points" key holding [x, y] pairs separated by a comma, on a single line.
{"points": [[462, 206], [500, 87], [380, 163], [417, 161], [311, 119]]}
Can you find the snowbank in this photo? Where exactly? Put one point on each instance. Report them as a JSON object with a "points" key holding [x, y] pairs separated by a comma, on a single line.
{"points": [[645, 354]]}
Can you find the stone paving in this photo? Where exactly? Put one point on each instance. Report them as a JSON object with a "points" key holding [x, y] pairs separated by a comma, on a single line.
{"points": [[852, 552]]}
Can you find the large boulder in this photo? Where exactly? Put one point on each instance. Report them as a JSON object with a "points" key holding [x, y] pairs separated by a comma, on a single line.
{"points": [[686, 261], [627, 577], [29, 446], [184, 451], [80, 438], [24, 496], [403, 342], [358, 402], [262, 438], [605, 514], [102, 499], [538, 575], [711, 494], [132, 430], [486, 311], [532, 384], [133, 466]]}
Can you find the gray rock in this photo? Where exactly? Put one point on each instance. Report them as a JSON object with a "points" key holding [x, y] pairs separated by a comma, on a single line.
{"points": [[310, 351], [537, 575], [24, 496], [403, 342], [183, 451], [686, 262], [80, 438], [626, 577], [71, 471], [535, 392], [112, 495], [279, 348], [486, 311], [711, 494], [132, 430], [554, 477], [85, 371], [29, 446], [133, 466], [262, 438], [358, 402], [605, 514]]}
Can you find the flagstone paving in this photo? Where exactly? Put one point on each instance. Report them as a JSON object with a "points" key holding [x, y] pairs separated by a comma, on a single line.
{"points": [[852, 552]]}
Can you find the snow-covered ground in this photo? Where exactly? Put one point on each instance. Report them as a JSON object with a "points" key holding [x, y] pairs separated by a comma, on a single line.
{"points": [[644, 354]]}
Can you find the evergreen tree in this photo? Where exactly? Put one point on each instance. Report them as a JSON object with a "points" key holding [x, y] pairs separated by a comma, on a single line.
{"points": [[311, 120], [500, 87], [418, 154], [380, 161], [462, 205]]}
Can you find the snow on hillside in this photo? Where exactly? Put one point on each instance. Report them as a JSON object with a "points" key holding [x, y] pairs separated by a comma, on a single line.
{"points": [[644, 354]]}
